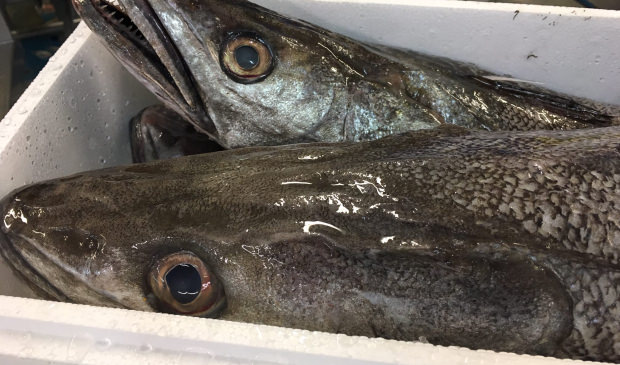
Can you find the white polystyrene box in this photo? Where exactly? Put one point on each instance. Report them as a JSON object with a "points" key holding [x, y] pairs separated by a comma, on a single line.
{"points": [[74, 117]]}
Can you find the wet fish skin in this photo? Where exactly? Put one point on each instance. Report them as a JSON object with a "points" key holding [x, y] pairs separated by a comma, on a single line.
{"points": [[158, 133], [466, 238], [324, 87]]}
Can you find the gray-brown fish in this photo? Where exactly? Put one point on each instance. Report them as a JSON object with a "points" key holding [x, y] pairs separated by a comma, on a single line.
{"points": [[247, 76], [159, 133], [507, 241]]}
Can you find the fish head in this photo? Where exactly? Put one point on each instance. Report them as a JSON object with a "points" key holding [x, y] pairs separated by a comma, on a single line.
{"points": [[182, 242], [67, 249], [72, 240], [61, 255], [248, 76]]}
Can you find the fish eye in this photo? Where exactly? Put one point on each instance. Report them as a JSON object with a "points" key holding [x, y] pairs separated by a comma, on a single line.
{"points": [[183, 284], [246, 57]]}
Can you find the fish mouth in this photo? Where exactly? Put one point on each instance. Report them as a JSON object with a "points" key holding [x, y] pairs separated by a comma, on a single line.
{"points": [[117, 17], [18, 263], [140, 41], [26, 272], [34, 266]]}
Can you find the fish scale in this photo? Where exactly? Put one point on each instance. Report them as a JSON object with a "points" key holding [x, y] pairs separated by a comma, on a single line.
{"points": [[595, 315]]}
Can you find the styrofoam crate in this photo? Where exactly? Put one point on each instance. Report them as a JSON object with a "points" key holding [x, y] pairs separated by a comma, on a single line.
{"points": [[74, 117]]}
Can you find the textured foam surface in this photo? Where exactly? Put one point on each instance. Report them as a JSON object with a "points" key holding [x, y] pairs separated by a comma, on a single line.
{"points": [[64, 333]]}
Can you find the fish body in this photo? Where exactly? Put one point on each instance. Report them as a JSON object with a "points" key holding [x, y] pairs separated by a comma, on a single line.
{"points": [[302, 83], [506, 241]]}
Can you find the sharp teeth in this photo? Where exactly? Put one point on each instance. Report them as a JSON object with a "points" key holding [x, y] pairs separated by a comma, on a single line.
{"points": [[111, 5], [117, 4], [115, 14]]}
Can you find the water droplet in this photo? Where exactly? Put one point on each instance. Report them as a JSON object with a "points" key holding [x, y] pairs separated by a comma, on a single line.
{"points": [[22, 110], [146, 348], [78, 348], [26, 351], [103, 344], [57, 66]]}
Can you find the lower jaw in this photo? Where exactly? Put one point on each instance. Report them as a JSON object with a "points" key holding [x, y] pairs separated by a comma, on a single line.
{"points": [[26, 274]]}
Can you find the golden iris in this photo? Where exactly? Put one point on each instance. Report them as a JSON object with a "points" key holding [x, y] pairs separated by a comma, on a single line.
{"points": [[246, 58], [183, 284]]}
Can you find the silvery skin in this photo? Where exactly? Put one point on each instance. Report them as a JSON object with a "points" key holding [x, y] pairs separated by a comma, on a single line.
{"points": [[318, 87]]}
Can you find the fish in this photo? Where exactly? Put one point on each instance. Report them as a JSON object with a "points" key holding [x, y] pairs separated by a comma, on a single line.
{"points": [[506, 241], [246, 76], [158, 132]]}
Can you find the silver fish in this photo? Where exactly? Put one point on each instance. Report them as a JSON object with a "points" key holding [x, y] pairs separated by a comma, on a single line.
{"points": [[507, 241], [247, 76]]}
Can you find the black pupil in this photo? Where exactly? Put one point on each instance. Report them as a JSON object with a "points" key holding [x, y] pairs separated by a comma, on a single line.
{"points": [[184, 283], [247, 57]]}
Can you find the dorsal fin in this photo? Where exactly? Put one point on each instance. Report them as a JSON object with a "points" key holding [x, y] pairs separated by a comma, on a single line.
{"points": [[558, 104]]}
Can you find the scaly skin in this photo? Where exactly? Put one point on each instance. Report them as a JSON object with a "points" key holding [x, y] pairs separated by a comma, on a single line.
{"points": [[506, 240], [324, 87]]}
